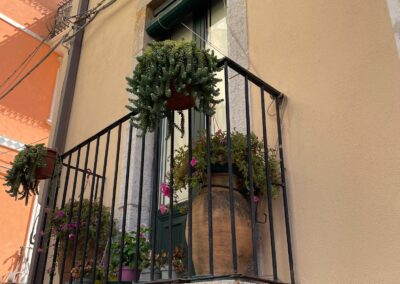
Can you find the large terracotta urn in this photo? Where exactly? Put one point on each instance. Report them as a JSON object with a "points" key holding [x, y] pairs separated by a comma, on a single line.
{"points": [[222, 234]]}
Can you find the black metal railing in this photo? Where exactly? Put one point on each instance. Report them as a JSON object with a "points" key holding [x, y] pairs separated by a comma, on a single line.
{"points": [[113, 165], [61, 20]]}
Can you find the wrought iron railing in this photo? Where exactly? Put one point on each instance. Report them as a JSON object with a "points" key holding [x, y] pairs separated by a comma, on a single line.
{"points": [[114, 164], [61, 20]]}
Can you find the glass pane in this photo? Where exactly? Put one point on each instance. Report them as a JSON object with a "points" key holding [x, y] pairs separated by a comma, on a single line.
{"points": [[218, 41]]}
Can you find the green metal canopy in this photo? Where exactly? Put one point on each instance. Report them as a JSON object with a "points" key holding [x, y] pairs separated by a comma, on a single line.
{"points": [[171, 16]]}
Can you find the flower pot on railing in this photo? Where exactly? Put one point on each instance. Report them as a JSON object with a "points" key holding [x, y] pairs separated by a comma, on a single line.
{"points": [[47, 171], [223, 263]]}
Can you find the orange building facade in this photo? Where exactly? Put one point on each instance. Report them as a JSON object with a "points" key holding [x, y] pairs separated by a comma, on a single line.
{"points": [[25, 117]]}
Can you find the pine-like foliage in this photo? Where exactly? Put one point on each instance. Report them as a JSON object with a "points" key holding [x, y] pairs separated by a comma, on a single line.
{"points": [[23, 170], [171, 63]]}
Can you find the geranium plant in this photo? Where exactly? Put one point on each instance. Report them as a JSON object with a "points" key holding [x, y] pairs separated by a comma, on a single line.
{"points": [[64, 223], [169, 67], [219, 162], [21, 178], [129, 250]]}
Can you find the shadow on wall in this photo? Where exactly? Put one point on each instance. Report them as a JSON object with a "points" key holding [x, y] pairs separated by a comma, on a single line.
{"points": [[11, 263], [31, 100]]}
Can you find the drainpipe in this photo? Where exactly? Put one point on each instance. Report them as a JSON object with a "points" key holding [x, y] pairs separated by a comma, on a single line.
{"points": [[37, 269]]}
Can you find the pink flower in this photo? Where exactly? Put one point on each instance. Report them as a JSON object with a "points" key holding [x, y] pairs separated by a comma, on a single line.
{"points": [[219, 132], [163, 209], [42, 233], [71, 236], [40, 250], [165, 189], [256, 199], [193, 162], [50, 270]]}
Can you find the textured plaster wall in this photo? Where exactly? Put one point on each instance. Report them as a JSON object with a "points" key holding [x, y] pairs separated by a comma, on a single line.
{"points": [[337, 63]]}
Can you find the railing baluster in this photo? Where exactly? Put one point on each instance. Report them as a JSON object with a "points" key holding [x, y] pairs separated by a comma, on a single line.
{"points": [[283, 179], [110, 233], [77, 229], [128, 166], [209, 199], [71, 206], [154, 206], [53, 209], [89, 209], [171, 204], [250, 175], [53, 265], [190, 197], [269, 187], [231, 195], [99, 214], [139, 213]]}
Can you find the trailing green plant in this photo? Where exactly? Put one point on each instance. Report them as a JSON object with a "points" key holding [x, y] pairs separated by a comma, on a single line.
{"points": [[23, 172], [129, 250], [219, 159], [64, 224], [166, 65]]}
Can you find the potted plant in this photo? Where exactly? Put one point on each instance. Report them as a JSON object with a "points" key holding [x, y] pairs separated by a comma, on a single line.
{"points": [[172, 76], [33, 163], [129, 270], [64, 225], [178, 263], [221, 197], [87, 271]]}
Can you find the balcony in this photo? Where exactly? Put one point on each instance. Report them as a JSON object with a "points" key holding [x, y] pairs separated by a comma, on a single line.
{"points": [[111, 203]]}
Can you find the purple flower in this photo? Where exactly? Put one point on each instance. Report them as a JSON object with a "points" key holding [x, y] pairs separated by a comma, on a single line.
{"points": [[165, 189], [60, 214], [163, 209], [72, 225], [71, 236], [64, 227], [193, 162], [40, 250], [256, 199], [142, 236]]}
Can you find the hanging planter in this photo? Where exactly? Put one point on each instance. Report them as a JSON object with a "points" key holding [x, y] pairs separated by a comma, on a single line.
{"points": [[172, 76], [33, 163], [179, 101], [50, 161]]}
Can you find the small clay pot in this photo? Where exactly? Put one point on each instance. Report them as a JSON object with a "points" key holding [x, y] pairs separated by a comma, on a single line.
{"points": [[47, 171], [178, 101]]}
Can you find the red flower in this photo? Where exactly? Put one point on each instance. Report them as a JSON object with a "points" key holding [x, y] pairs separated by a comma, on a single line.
{"points": [[71, 236]]}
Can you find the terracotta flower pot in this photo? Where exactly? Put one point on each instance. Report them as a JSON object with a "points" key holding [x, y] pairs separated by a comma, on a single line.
{"points": [[47, 171], [222, 236], [179, 101]]}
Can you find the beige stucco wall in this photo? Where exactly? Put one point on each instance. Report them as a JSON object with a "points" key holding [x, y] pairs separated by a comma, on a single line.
{"points": [[106, 59], [337, 63]]}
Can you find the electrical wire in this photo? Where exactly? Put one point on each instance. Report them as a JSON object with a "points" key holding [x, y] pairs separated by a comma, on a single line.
{"points": [[64, 39], [26, 60]]}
